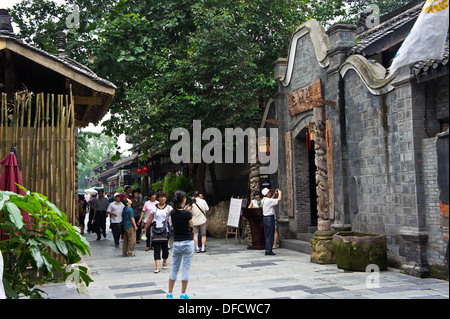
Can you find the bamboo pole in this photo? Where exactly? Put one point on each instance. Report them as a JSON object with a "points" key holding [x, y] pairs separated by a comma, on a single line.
{"points": [[47, 149], [28, 172], [41, 154], [72, 143], [70, 183], [61, 150], [23, 101], [2, 142], [32, 158], [67, 187], [5, 125], [14, 119], [36, 153], [57, 181], [53, 166]]}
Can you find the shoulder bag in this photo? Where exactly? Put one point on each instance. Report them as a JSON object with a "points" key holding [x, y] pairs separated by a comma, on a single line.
{"points": [[160, 233]]}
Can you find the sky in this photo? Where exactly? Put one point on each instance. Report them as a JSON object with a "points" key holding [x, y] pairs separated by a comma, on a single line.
{"points": [[124, 146]]}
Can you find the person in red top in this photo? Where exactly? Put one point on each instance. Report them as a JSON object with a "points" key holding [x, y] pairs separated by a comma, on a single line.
{"points": [[126, 193]]}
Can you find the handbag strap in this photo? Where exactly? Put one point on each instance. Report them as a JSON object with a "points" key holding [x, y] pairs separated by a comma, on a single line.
{"points": [[167, 216], [200, 209]]}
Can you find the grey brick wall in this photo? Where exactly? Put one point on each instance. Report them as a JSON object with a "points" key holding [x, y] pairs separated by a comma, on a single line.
{"points": [[384, 143], [436, 245]]}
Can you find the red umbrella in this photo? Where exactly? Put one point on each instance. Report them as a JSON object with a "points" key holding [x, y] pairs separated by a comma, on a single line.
{"points": [[10, 176]]}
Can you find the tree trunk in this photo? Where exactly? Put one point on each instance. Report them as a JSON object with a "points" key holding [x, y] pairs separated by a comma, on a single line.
{"points": [[212, 173], [197, 172]]}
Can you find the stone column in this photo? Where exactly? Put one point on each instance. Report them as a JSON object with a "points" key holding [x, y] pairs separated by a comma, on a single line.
{"points": [[322, 242], [342, 39], [254, 186]]}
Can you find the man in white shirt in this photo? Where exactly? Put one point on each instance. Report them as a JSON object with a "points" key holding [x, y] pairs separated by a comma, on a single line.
{"points": [[199, 209], [115, 211], [268, 206]]}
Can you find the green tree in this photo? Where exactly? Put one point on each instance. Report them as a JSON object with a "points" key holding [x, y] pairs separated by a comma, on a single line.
{"points": [[179, 60], [93, 148]]}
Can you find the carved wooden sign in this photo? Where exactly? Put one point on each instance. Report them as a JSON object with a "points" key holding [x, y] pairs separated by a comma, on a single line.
{"points": [[289, 174], [305, 98]]}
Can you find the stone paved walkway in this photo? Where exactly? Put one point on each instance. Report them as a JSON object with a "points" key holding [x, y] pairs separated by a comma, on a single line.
{"points": [[227, 271]]}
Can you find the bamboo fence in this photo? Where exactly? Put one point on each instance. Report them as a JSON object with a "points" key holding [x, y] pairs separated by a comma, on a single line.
{"points": [[42, 128]]}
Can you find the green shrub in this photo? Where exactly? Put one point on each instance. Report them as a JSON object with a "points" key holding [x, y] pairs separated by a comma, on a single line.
{"points": [[171, 183], [27, 251]]}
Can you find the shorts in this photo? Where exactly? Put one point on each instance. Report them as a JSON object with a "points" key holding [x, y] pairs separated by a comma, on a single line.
{"points": [[201, 228]]}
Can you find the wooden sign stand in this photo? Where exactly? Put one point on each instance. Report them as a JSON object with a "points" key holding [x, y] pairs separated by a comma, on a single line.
{"points": [[232, 230]]}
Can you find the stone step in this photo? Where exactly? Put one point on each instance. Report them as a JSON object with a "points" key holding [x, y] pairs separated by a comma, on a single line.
{"points": [[301, 246], [305, 236]]}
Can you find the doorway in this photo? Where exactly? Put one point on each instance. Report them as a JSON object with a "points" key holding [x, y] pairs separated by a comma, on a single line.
{"points": [[312, 185], [305, 195]]}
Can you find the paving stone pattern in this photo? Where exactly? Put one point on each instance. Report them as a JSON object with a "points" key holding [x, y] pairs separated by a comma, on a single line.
{"points": [[234, 272]]}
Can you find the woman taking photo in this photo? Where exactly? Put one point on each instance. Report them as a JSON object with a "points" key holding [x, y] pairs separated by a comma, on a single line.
{"points": [[160, 216], [183, 245]]}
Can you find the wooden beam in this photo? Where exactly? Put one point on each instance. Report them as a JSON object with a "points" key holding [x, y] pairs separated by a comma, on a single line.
{"points": [[326, 102], [88, 109], [11, 82], [88, 100], [274, 122], [81, 123]]}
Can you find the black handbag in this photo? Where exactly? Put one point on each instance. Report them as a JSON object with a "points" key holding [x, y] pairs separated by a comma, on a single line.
{"points": [[160, 233]]}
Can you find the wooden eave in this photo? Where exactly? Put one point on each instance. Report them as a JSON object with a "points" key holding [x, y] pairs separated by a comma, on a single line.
{"points": [[92, 95]]}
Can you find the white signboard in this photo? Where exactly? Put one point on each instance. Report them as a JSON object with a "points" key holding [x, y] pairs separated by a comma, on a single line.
{"points": [[234, 213]]}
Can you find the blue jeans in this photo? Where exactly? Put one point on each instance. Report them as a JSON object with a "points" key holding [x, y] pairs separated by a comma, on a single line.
{"points": [[269, 231], [182, 250]]}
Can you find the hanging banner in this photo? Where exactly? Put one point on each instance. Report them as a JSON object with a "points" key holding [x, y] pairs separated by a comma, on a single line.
{"points": [[427, 38]]}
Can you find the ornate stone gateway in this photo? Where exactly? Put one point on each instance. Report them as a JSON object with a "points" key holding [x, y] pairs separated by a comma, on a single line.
{"points": [[300, 101]]}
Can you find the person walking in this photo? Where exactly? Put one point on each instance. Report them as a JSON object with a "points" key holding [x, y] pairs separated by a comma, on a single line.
{"points": [[137, 204], [160, 216], [145, 214], [115, 210], [100, 206], [199, 209], [268, 205], [91, 206], [82, 204], [129, 229], [183, 245]]}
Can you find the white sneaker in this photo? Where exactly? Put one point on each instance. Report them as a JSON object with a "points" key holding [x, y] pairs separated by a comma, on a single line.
{"points": [[197, 250]]}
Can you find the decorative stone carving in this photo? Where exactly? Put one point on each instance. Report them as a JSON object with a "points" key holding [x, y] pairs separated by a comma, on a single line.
{"points": [[322, 242]]}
